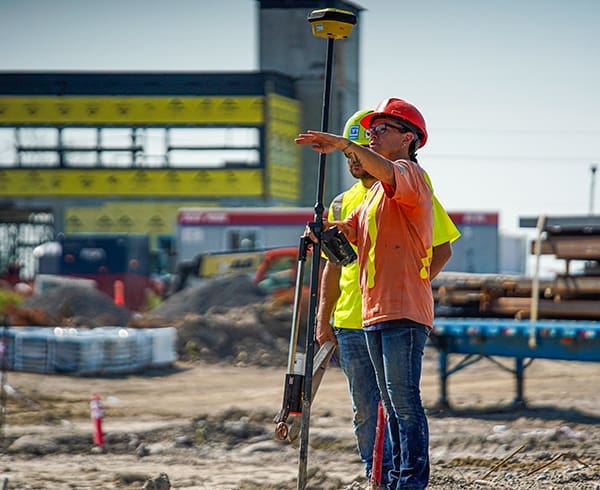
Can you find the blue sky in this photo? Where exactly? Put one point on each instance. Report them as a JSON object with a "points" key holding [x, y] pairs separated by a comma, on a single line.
{"points": [[509, 89]]}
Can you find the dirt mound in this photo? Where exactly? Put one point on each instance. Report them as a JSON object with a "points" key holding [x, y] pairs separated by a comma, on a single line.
{"points": [[227, 319], [246, 335], [72, 306], [230, 291]]}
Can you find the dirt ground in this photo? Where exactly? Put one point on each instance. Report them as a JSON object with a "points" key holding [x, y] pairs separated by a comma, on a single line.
{"points": [[209, 426]]}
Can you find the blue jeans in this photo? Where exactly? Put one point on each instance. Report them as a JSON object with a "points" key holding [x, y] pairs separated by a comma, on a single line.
{"points": [[364, 392], [396, 351]]}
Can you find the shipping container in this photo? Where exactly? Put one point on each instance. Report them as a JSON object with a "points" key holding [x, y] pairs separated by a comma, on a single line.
{"points": [[208, 230]]}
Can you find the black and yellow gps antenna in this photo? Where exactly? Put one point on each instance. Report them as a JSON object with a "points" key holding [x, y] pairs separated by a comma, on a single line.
{"points": [[332, 23]]}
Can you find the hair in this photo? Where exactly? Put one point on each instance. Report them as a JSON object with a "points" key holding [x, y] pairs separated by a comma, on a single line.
{"points": [[412, 149]]}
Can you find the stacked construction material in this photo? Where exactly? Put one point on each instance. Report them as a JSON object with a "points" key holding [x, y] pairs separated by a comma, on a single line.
{"points": [[566, 296], [32, 351], [7, 348], [106, 350], [76, 350]]}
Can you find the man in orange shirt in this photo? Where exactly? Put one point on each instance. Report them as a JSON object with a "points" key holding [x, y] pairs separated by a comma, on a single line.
{"points": [[392, 229], [339, 316]]}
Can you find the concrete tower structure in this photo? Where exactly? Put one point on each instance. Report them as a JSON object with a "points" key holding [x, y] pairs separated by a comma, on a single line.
{"points": [[286, 45]]}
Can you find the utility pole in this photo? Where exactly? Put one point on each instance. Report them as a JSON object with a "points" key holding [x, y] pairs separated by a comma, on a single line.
{"points": [[593, 169]]}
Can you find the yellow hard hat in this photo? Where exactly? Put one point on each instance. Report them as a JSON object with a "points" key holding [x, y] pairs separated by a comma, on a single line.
{"points": [[354, 131]]}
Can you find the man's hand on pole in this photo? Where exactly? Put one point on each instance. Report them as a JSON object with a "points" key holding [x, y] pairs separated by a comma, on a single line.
{"points": [[345, 229], [330, 292]]}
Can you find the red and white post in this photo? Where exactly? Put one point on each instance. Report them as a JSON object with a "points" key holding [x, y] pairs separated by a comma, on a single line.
{"points": [[97, 414]]}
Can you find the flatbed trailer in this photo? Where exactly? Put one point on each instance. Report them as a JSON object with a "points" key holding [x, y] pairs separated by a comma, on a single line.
{"points": [[523, 340]]}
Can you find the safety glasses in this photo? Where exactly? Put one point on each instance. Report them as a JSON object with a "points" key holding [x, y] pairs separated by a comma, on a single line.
{"points": [[381, 128]]}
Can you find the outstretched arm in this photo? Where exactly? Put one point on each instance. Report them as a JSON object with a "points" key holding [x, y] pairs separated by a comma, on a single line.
{"points": [[379, 167]]}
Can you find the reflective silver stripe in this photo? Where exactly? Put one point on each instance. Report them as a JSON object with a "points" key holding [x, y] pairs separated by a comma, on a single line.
{"points": [[336, 206]]}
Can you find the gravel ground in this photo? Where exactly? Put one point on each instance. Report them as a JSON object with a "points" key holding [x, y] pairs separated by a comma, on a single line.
{"points": [[207, 421], [210, 425]]}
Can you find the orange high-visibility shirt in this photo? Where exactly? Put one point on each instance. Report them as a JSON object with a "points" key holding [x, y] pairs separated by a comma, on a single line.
{"points": [[394, 239]]}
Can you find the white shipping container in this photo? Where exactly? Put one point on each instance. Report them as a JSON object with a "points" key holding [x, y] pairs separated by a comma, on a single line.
{"points": [[208, 230]]}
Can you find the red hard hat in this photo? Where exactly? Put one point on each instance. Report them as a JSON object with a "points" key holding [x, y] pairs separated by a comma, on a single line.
{"points": [[402, 110]]}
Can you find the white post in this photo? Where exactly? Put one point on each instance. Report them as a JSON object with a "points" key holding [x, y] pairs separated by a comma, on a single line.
{"points": [[535, 286]]}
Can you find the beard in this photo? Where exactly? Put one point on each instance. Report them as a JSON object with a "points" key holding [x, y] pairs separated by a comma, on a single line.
{"points": [[360, 173]]}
